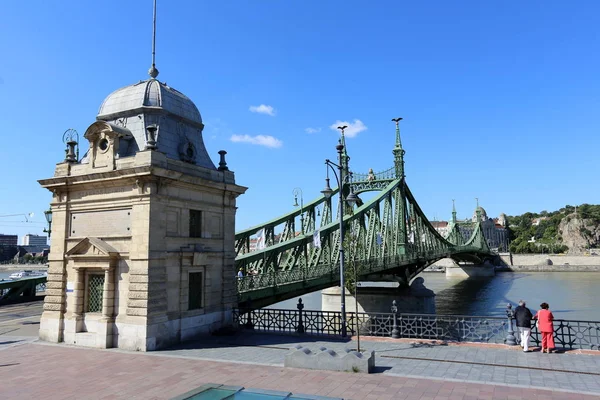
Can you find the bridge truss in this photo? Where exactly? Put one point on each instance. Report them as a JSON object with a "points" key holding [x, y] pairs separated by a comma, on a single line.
{"points": [[387, 237]]}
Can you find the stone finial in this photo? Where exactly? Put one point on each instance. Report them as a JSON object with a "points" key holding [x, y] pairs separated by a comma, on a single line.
{"points": [[222, 162], [153, 72], [151, 137]]}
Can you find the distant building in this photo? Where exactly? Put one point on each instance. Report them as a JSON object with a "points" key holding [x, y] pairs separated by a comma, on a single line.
{"points": [[441, 227], [35, 240], [494, 229], [8, 240], [537, 221]]}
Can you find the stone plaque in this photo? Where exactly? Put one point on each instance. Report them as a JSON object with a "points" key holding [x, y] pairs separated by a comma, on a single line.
{"points": [[101, 223]]}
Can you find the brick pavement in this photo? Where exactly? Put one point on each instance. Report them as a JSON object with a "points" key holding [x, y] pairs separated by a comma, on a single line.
{"points": [[468, 362], [42, 371]]}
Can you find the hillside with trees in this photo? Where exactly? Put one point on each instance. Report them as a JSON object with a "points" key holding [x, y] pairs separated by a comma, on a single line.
{"points": [[572, 229]]}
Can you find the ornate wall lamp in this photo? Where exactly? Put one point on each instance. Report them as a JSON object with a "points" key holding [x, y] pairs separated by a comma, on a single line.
{"points": [[71, 139], [48, 215]]}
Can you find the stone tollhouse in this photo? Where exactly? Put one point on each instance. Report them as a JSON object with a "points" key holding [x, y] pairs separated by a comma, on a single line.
{"points": [[143, 228]]}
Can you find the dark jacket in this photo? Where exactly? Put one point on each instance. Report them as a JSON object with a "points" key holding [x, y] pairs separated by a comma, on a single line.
{"points": [[523, 317]]}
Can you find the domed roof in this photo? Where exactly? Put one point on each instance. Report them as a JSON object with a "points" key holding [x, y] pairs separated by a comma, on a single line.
{"points": [[482, 213], [148, 94]]}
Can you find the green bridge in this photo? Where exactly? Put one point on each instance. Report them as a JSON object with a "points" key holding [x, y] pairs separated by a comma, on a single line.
{"points": [[387, 237]]}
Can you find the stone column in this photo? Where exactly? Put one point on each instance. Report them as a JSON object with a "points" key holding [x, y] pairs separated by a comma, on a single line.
{"points": [[105, 325], [78, 294], [108, 295]]}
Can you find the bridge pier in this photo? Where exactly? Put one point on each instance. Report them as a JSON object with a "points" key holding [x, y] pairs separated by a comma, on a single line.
{"points": [[470, 270], [377, 297]]}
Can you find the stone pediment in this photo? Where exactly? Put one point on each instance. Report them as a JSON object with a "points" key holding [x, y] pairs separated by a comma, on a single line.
{"points": [[92, 248]]}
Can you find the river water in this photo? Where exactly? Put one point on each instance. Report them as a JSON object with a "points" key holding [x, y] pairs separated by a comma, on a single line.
{"points": [[571, 295]]}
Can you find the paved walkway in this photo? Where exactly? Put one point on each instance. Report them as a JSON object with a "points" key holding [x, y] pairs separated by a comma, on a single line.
{"points": [[405, 369]]}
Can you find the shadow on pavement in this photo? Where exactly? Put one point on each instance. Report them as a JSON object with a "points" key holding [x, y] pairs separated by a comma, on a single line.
{"points": [[253, 339], [380, 369]]}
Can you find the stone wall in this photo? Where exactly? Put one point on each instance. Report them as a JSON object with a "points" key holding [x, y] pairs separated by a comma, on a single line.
{"points": [[550, 268], [549, 259], [19, 267]]}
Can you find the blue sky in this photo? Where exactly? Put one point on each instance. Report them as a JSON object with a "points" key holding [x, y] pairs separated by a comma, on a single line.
{"points": [[500, 100]]}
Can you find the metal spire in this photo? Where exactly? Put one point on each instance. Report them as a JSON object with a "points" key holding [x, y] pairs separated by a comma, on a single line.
{"points": [[344, 158], [397, 121], [153, 72], [398, 151], [453, 212]]}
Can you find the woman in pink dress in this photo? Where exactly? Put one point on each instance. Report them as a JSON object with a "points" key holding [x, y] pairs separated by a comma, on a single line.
{"points": [[545, 326]]}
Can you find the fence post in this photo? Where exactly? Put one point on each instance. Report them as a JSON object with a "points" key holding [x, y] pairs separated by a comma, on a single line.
{"points": [[249, 324], [510, 338], [300, 307], [395, 332]]}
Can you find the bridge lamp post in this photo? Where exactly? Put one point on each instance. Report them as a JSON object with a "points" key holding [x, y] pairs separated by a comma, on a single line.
{"points": [[351, 199], [297, 191]]}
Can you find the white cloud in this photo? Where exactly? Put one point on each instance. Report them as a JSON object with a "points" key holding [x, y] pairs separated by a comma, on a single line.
{"points": [[263, 109], [261, 140], [312, 130], [353, 128]]}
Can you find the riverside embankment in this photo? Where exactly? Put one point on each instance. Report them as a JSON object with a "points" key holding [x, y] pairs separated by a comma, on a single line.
{"points": [[549, 263], [19, 267]]}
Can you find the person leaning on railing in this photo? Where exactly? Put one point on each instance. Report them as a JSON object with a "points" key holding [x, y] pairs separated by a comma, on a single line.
{"points": [[545, 326], [524, 317]]}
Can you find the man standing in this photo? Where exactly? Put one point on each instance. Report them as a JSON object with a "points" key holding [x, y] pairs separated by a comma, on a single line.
{"points": [[524, 317]]}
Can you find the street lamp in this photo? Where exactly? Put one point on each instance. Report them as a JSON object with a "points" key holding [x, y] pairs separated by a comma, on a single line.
{"points": [[48, 215], [351, 199], [295, 192]]}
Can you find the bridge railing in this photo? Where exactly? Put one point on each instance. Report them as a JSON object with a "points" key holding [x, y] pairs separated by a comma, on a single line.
{"points": [[24, 287], [388, 174], [568, 334]]}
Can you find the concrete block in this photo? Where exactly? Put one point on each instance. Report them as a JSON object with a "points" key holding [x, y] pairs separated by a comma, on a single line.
{"points": [[329, 360]]}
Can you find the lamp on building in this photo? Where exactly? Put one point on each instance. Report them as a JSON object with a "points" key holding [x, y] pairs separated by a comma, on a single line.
{"points": [[71, 139], [297, 191], [351, 199], [48, 215]]}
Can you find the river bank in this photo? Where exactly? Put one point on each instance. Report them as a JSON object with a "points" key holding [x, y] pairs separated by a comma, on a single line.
{"points": [[20, 267], [548, 268], [510, 259]]}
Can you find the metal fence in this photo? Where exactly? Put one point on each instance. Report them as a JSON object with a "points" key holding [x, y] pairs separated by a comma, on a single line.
{"points": [[567, 334]]}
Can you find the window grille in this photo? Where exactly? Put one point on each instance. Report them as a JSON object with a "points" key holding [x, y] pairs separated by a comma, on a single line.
{"points": [[95, 292], [195, 291], [195, 223]]}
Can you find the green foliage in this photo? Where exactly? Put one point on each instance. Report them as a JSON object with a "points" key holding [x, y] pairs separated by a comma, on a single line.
{"points": [[587, 211], [548, 238]]}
